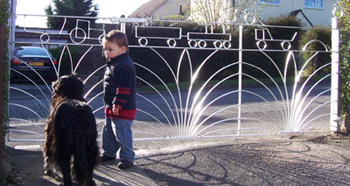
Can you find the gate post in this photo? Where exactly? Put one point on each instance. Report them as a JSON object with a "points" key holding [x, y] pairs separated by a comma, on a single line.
{"points": [[240, 59], [2, 42], [335, 91]]}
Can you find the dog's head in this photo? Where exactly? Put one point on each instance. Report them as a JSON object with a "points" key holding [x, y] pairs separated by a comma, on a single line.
{"points": [[69, 87]]}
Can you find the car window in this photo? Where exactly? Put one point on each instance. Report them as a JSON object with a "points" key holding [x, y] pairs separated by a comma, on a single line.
{"points": [[31, 51], [20, 52]]}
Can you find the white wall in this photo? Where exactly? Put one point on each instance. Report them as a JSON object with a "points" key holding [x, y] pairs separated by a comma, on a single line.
{"points": [[315, 15], [172, 7]]}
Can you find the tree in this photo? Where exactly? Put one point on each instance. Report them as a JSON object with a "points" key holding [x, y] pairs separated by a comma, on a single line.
{"points": [[215, 12], [344, 63], [69, 8], [345, 6]]}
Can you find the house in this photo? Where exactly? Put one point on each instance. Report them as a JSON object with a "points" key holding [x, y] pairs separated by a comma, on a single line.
{"points": [[312, 12], [158, 9]]}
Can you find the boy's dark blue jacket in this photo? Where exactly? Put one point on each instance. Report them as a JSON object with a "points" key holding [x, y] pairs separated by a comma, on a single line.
{"points": [[120, 83]]}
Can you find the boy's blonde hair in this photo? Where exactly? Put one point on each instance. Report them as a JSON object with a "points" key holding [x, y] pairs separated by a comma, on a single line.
{"points": [[118, 37]]}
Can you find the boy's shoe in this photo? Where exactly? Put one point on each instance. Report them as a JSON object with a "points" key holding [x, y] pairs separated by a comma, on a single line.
{"points": [[125, 164], [106, 158]]}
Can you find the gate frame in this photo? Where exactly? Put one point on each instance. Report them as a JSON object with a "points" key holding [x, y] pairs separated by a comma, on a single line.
{"points": [[335, 118]]}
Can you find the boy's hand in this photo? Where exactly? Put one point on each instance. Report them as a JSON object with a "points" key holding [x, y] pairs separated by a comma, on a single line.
{"points": [[115, 110]]}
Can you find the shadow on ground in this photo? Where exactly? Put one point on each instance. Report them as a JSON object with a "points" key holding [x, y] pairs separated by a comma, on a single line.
{"points": [[302, 159]]}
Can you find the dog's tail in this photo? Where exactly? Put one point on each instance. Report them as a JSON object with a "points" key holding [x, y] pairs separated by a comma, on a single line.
{"points": [[80, 161], [85, 161], [86, 152]]}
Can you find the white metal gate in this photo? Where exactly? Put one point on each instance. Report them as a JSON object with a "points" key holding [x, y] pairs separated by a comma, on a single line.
{"points": [[239, 103]]}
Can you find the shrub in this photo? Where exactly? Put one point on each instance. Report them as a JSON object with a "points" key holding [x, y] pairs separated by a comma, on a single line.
{"points": [[322, 34], [92, 60], [148, 58], [4, 16], [344, 68], [290, 27]]}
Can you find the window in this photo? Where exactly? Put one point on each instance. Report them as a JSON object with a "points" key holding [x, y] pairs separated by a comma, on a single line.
{"points": [[313, 3], [275, 2]]}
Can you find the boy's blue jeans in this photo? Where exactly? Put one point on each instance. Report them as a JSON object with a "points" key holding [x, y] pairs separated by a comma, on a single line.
{"points": [[116, 133]]}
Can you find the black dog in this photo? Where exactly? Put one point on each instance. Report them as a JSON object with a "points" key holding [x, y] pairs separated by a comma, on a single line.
{"points": [[71, 133]]}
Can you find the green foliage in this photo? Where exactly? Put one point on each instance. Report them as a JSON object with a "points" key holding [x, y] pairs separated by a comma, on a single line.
{"points": [[322, 34], [65, 66], [221, 58], [345, 7], [70, 8], [259, 59], [4, 16], [344, 65], [91, 61], [284, 20]]}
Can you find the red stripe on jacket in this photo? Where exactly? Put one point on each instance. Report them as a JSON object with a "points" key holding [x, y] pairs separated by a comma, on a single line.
{"points": [[123, 114], [123, 90], [119, 100]]}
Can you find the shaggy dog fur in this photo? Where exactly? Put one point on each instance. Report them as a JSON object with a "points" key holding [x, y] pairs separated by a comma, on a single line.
{"points": [[70, 133]]}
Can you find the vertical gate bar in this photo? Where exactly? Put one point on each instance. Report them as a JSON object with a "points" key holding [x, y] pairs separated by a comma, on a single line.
{"points": [[2, 42], [335, 119], [240, 78], [122, 27]]}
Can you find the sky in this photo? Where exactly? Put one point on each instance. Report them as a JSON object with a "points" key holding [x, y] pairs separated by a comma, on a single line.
{"points": [[108, 8]]}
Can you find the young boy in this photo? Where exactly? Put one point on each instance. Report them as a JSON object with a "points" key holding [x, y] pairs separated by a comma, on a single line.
{"points": [[119, 100]]}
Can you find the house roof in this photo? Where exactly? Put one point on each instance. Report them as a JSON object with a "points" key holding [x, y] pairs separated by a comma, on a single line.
{"points": [[148, 9], [296, 12]]}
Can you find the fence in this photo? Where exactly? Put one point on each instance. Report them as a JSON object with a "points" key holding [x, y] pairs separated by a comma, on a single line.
{"points": [[230, 87]]}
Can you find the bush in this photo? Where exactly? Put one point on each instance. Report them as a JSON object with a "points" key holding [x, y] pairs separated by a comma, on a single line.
{"points": [[344, 68], [4, 16], [92, 60], [323, 34], [283, 33], [147, 57]]}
